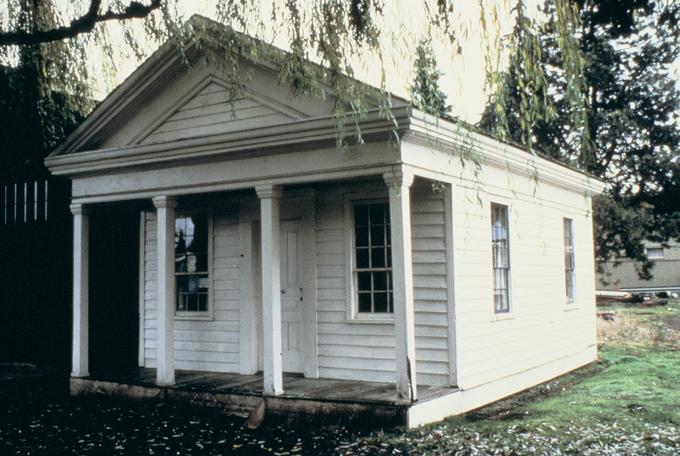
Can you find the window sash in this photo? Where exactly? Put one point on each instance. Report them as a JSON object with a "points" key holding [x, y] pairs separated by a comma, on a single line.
{"points": [[372, 258], [569, 260], [192, 264], [500, 254]]}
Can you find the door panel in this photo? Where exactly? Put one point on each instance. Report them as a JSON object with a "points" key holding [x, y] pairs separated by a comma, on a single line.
{"points": [[291, 296]]}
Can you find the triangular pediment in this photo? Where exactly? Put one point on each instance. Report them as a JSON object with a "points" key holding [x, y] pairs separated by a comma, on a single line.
{"points": [[210, 109]]}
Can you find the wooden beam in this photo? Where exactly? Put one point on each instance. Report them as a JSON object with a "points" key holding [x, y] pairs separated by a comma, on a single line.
{"points": [[165, 313], [81, 267], [399, 183], [270, 198]]}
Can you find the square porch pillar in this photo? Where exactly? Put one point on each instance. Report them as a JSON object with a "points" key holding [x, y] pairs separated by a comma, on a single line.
{"points": [[399, 183], [270, 197], [165, 308], [81, 260]]}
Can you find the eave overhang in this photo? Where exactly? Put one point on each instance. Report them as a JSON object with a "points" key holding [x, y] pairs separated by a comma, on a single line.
{"points": [[305, 133], [404, 122]]}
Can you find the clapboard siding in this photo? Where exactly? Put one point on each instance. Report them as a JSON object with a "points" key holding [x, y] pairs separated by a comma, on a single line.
{"points": [[362, 351], [210, 112], [541, 327], [209, 345], [428, 229]]}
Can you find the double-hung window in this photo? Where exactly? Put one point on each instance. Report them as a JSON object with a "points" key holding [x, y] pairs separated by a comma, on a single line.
{"points": [[501, 258], [569, 265], [192, 273], [372, 258]]}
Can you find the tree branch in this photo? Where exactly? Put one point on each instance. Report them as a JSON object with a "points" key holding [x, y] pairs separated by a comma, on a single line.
{"points": [[83, 24]]}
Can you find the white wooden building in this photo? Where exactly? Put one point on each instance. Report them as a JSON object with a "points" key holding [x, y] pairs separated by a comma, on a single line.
{"points": [[264, 248]]}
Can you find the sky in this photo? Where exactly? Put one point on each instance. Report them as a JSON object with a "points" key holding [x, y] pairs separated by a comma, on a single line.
{"points": [[403, 24]]}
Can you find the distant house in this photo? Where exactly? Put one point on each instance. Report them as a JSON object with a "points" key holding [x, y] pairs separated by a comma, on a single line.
{"points": [[665, 273], [267, 263]]}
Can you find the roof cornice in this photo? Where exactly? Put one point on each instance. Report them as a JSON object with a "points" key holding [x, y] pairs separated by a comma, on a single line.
{"points": [[441, 133], [164, 62], [300, 133]]}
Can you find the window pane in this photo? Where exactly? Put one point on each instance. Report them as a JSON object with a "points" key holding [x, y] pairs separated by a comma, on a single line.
{"points": [[180, 263], [380, 302], [365, 302], [362, 258], [380, 281], [193, 302], [361, 236], [191, 262], [372, 257], [361, 215], [378, 257], [377, 214], [569, 259], [500, 253], [181, 284], [364, 281], [203, 302], [181, 302], [377, 235]]}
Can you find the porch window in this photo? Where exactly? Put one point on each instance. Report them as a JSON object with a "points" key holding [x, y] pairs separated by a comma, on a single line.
{"points": [[569, 264], [500, 251], [191, 263], [372, 257]]}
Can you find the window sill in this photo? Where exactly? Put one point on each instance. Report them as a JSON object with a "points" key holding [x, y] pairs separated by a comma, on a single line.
{"points": [[369, 321], [502, 317], [192, 316], [570, 307]]}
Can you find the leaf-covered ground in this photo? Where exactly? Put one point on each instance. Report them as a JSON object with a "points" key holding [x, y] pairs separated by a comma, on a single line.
{"points": [[627, 404]]}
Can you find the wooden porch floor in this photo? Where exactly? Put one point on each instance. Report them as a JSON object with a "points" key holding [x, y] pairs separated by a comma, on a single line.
{"points": [[294, 386]]}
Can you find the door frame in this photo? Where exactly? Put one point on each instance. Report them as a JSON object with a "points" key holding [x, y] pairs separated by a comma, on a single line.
{"points": [[295, 205]]}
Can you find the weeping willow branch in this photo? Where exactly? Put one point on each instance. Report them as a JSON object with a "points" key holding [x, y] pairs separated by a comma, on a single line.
{"points": [[80, 25]]}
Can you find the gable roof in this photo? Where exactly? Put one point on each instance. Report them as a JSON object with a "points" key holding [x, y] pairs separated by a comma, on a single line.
{"points": [[178, 131], [165, 63]]}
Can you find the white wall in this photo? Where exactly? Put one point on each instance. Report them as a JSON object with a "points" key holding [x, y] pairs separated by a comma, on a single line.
{"points": [[199, 344], [365, 351], [541, 327]]}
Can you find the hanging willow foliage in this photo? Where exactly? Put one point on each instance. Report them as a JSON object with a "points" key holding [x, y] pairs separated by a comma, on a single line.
{"points": [[328, 32]]}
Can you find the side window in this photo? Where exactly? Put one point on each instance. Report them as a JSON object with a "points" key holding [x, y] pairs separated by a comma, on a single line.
{"points": [[500, 251], [372, 258], [569, 264], [192, 274]]}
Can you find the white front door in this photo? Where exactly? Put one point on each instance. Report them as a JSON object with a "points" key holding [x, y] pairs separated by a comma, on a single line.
{"points": [[291, 296]]}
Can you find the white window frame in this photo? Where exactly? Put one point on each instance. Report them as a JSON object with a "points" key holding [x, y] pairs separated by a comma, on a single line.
{"points": [[209, 314], [352, 312], [495, 201], [654, 257], [569, 300]]}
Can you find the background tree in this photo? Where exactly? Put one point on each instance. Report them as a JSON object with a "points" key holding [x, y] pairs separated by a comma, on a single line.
{"points": [[426, 93], [633, 108]]}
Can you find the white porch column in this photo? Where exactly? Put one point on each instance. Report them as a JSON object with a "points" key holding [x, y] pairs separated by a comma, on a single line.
{"points": [[399, 183], [270, 197], [165, 307], [81, 267]]}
